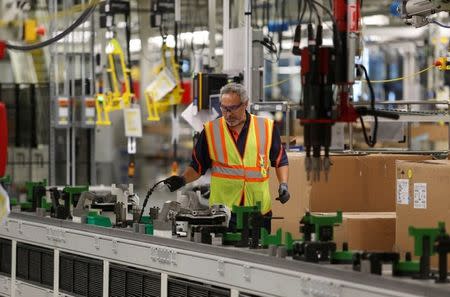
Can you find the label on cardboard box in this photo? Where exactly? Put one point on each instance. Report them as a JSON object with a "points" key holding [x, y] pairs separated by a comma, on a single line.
{"points": [[402, 191], [420, 195]]}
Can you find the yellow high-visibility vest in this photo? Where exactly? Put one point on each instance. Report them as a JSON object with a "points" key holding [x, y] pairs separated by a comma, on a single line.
{"points": [[232, 175]]}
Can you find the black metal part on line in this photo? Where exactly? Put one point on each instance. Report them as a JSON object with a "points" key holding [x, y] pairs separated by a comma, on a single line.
{"points": [[442, 247], [376, 260]]}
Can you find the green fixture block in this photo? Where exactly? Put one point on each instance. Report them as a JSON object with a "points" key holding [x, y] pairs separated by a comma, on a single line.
{"points": [[267, 239], [420, 233], [99, 220]]}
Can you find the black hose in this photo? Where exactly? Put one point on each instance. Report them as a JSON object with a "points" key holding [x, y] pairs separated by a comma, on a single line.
{"points": [[371, 141], [149, 193], [86, 13], [319, 20], [128, 39], [303, 13], [337, 38]]}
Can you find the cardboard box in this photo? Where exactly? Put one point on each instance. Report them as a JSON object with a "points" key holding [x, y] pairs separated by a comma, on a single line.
{"points": [[422, 199], [431, 131], [370, 231], [356, 183]]}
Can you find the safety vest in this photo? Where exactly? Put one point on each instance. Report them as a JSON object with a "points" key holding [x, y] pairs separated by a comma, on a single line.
{"points": [[232, 175]]}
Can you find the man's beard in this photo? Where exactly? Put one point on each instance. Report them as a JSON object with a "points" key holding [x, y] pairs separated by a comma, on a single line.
{"points": [[233, 122]]}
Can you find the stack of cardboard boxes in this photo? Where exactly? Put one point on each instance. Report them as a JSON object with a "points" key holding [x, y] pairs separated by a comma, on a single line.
{"points": [[362, 186]]}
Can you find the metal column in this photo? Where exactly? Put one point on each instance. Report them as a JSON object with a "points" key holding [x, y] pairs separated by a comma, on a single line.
{"points": [[248, 48], [212, 33]]}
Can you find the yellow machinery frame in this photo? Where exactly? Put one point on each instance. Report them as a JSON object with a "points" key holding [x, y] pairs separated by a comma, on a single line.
{"points": [[114, 99], [173, 97]]}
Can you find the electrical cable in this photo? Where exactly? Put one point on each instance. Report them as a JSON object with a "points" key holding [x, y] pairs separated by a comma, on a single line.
{"points": [[303, 12], [439, 24], [333, 19], [128, 39], [326, 10], [277, 83], [403, 77], [310, 10], [147, 196], [61, 35], [60, 14], [371, 141], [319, 19]]}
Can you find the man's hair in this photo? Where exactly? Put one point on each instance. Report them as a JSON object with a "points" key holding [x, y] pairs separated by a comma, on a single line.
{"points": [[234, 88]]}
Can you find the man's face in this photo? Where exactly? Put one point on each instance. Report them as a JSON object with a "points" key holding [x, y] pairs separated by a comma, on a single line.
{"points": [[233, 110]]}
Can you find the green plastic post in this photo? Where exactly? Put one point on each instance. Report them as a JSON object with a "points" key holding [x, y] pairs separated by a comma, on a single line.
{"points": [[44, 204], [241, 210], [30, 185], [149, 229], [289, 241], [420, 233], [146, 220], [267, 239]]}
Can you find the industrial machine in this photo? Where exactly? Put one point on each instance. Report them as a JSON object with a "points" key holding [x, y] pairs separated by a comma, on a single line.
{"points": [[205, 85], [91, 227], [327, 76], [417, 12], [120, 205]]}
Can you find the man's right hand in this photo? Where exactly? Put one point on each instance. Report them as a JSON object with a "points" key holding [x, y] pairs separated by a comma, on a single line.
{"points": [[283, 193], [175, 182]]}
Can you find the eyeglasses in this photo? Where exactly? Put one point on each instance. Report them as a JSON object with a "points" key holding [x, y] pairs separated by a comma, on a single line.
{"points": [[230, 108]]}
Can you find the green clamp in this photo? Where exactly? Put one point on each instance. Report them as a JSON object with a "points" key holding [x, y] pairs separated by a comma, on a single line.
{"points": [[75, 190], [420, 233], [240, 212], [267, 239], [95, 219], [289, 241], [149, 229], [30, 186], [320, 221]]}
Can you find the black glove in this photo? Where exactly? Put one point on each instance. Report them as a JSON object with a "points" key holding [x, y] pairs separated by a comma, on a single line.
{"points": [[283, 193], [175, 182]]}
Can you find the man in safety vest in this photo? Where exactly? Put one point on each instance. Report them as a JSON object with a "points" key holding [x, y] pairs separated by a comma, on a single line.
{"points": [[238, 148]]}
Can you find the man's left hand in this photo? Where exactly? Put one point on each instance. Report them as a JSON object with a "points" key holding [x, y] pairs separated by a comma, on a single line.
{"points": [[283, 193]]}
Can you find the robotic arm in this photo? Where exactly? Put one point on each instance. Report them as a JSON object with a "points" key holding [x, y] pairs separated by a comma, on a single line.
{"points": [[416, 12]]}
